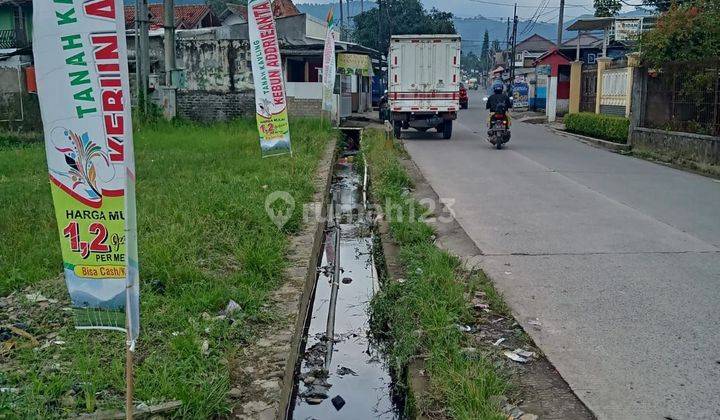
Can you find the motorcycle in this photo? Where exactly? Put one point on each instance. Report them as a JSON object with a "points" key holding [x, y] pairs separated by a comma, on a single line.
{"points": [[384, 107], [499, 128]]}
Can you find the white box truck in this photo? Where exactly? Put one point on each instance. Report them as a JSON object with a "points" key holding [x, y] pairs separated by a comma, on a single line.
{"points": [[424, 82]]}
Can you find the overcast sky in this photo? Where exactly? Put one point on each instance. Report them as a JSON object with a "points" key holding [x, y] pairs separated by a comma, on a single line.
{"points": [[503, 8]]}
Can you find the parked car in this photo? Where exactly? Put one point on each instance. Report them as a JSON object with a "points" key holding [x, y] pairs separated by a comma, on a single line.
{"points": [[464, 101]]}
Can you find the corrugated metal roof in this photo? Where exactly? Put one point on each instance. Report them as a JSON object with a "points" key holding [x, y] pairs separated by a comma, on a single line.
{"points": [[535, 43]]}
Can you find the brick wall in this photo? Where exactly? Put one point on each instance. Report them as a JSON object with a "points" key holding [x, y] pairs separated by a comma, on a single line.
{"points": [[206, 106]]}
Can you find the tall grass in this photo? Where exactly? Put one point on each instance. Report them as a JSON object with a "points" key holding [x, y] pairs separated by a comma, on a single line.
{"points": [[204, 239], [422, 314]]}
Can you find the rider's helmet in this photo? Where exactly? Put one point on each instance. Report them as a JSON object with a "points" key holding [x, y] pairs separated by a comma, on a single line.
{"points": [[497, 87]]}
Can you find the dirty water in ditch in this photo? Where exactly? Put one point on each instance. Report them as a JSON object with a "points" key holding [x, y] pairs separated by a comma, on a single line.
{"points": [[357, 382]]}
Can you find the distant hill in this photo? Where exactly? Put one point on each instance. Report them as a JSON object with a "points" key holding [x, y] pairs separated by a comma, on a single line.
{"points": [[88, 300], [319, 10], [472, 30]]}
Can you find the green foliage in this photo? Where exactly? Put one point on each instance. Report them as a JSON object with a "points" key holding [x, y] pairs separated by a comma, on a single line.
{"points": [[485, 44], [482, 62], [665, 5], [686, 32], [204, 238], [374, 27], [471, 61], [421, 314], [219, 6], [606, 127], [606, 8]]}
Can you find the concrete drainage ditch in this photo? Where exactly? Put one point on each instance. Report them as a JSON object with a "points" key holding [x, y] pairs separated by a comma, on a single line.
{"points": [[342, 371]]}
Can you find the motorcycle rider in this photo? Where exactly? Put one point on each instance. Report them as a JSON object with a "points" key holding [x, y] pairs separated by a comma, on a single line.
{"points": [[498, 98], [498, 103]]}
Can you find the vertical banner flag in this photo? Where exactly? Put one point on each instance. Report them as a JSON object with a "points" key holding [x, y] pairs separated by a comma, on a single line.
{"points": [[270, 103], [328, 74], [82, 77]]}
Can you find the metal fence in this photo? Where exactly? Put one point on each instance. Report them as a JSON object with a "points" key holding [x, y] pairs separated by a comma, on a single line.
{"points": [[8, 38], [588, 88], [614, 95], [685, 97]]}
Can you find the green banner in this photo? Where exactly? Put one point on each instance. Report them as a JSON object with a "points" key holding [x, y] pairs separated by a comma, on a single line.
{"points": [[354, 64]]}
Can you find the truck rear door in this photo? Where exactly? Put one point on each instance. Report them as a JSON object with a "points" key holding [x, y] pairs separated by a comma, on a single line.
{"points": [[425, 73]]}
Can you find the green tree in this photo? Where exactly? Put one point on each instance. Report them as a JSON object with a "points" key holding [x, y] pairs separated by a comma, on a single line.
{"points": [[485, 52], [374, 27], [664, 5], [219, 6], [687, 32], [605, 8], [470, 61]]}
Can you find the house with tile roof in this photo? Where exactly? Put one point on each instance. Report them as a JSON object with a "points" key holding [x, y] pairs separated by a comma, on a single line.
{"points": [[191, 16]]}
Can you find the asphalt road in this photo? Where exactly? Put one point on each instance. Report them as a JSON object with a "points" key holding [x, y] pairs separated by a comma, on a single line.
{"points": [[617, 257]]}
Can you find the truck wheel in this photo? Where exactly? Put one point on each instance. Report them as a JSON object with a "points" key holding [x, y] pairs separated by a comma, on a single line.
{"points": [[447, 130], [397, 129]]}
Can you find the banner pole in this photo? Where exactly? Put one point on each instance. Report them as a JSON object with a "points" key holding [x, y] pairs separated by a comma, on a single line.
{"points": [[129, 379]]}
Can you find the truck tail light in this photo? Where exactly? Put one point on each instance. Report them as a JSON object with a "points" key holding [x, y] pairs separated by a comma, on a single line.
{"points": [[395, 78]]}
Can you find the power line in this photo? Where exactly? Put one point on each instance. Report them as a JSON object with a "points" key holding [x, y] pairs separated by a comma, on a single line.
{"points": [[494, 3], [529, 26]]}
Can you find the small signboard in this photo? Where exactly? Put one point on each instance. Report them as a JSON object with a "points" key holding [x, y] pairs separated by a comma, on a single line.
{"points": [[544, 70], [520, 92]]}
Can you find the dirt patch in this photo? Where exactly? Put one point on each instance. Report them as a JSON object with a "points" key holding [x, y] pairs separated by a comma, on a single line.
{"points": [[539, 388]]}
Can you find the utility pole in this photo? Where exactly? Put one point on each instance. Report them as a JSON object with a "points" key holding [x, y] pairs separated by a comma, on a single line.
{"points": [[342, 20], [137, 54], [144, 50], [169, 7], [507, 35], [514, 43], [349, 15], [362, 6], [379, 28], [560, 24]]}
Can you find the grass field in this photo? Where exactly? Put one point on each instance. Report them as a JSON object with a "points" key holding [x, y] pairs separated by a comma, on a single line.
{"points": [[204, 238], [421, 315]]}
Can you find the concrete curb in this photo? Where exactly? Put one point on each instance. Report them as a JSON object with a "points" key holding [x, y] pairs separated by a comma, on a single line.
{"points": [[307, 252], [604, 144]]}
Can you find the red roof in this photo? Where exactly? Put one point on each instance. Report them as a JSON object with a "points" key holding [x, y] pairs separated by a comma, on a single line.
{"points": [[284, 8], [281, 8], [548, 56], [186, 17]]}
